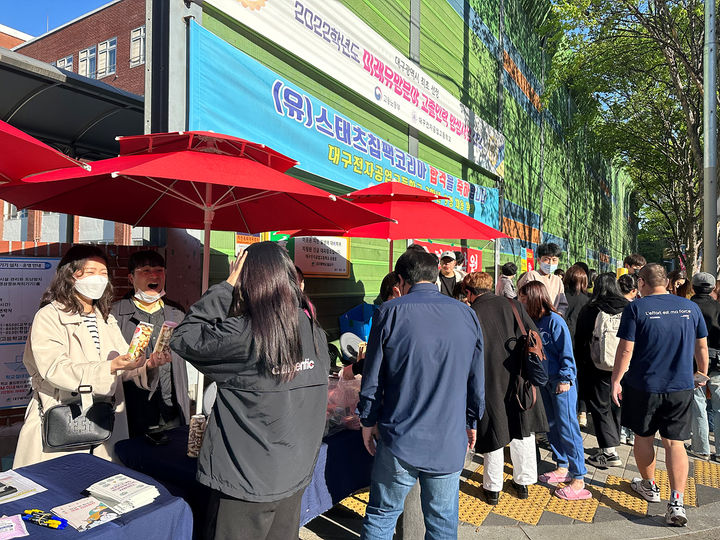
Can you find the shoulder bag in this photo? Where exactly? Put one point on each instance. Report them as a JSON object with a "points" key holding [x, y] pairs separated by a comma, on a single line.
{"points": [[77, 425]]}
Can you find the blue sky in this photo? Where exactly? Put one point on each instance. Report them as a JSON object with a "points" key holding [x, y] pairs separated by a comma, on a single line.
{"points": [[33, 16]]}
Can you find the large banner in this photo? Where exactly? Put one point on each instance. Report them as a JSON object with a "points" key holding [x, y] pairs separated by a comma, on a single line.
{"points": [[334, 40], [237, 95], [22, 283]]}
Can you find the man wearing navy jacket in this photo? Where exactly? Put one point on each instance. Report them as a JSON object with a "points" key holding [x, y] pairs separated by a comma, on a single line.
{"points": [[422, 395]]}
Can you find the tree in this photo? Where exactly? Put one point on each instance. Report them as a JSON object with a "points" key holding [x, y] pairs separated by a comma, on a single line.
{"points": [[635, 70]]}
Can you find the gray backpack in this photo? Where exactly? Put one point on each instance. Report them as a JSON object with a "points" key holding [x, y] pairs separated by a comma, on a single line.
{"points": [[604, 342]]}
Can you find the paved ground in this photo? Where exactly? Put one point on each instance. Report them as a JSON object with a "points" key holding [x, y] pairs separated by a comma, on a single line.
{"points": [[615, 512]]}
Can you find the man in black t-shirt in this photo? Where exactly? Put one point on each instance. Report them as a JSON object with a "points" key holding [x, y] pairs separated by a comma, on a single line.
{"points": [[449, 275]]}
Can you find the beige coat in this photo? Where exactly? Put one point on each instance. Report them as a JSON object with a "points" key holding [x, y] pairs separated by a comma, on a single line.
{"points": [[60, 355]]}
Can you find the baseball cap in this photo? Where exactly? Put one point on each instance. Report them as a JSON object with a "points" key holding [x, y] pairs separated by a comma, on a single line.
{"points": [[448, 254], [703, 278]]}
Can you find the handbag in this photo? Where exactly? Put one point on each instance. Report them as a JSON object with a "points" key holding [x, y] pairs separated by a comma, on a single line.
{"points": [[77, 425], [532, 371]]}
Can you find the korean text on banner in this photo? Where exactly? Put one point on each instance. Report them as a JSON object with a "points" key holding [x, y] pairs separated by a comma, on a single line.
{"points": [[22, 283], [236, 95], [473, 257], [333, 39]]}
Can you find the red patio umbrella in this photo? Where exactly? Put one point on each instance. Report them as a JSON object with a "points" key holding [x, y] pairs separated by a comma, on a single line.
{"points": [[414, 215], [22, 155]]}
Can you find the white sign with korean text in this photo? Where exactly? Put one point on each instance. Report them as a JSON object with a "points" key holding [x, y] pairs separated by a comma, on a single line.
{"points": [[323, 256], [334, 40], [22, 283]]}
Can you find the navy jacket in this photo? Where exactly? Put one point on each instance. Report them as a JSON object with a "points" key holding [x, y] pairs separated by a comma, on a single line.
{"points": [[423, 381]]}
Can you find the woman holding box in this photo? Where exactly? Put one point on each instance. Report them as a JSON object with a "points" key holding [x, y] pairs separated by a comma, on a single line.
{"points": [[74, 342]]}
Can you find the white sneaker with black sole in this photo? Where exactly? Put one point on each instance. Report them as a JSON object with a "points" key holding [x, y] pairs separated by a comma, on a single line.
{"points": [[649, 492], [603, 460], [675, 515]]}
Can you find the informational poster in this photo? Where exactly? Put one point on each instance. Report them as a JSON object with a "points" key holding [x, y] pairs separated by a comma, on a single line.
{"points": [[530, 260], [473, 257], [243, 240], [323, 256], [22, 283], [334, 40]]}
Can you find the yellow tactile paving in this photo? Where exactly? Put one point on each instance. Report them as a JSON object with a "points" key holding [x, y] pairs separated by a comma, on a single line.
{"points": [[707, 474], [663, 482], [357, 502], [579, 510], [473, 508], [526, 510], [619, 496]]}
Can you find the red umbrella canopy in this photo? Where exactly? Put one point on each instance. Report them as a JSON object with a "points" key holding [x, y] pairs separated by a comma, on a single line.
{"points": [[205, 141], [414, 215], [22, 155], [189, 189]]}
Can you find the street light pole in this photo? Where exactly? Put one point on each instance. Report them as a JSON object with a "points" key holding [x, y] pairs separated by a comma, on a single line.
{"points": [[710, 136]]}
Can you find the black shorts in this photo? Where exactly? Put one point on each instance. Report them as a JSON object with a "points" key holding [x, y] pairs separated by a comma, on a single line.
{"points": [[646, 413]]}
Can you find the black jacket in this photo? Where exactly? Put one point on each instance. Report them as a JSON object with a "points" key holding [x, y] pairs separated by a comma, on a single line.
{"points": [[711, 313], [503, 420], [263, 436], [576, 301], [583, 336]]}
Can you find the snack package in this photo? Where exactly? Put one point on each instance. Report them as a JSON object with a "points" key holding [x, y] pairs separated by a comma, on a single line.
{"points": [[163, 341], [140, 340]]}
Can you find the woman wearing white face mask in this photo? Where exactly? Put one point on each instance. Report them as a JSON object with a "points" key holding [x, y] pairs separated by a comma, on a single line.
{"points": [[73, 342]]}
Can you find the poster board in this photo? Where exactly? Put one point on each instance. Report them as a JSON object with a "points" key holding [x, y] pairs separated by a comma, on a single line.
{"points": [[323, 256], [23, 280]]}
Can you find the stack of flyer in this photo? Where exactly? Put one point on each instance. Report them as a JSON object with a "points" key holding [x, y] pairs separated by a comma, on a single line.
{"points": [[122, 493], [85, 513]]}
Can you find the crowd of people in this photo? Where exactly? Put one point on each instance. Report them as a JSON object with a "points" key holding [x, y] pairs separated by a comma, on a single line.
{"points": [[448, 369]]}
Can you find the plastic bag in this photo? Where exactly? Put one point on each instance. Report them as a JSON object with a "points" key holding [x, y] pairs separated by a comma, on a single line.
{"points": [[343, 397]]}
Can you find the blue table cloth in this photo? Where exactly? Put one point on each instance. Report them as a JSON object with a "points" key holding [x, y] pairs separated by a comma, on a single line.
{"points": [[66, 478], [343, 467]]}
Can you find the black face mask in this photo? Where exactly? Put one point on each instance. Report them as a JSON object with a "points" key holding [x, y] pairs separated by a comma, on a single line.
{"points": [[636, 271]]}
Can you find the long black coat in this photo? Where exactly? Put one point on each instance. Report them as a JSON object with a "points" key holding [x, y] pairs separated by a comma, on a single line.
{"points": [[503, 420]]}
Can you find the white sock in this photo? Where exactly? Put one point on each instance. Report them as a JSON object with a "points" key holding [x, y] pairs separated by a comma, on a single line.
{"points": [[609, 450]]}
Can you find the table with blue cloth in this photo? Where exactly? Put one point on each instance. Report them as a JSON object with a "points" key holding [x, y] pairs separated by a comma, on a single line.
{"points": [[343, 467], [65, 479]]}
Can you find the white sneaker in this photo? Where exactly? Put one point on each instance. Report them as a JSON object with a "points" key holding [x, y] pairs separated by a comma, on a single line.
{"points": [[675, 515], [650, 494]]}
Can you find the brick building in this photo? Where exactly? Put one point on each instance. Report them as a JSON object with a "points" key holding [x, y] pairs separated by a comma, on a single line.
{"points": [[9, 37], [107, 44]]}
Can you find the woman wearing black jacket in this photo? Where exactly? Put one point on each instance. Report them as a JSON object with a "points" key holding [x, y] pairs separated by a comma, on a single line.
{"points": [[257, 337], [503, 422], [595, 385]]}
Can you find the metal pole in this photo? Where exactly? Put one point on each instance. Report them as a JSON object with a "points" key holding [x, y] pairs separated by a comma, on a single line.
{"points": [[208, 217], [710, 136]]}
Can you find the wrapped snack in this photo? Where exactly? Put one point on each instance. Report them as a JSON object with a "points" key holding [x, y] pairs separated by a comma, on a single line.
{"points": [[198, 422], [163, 341], [140, 340]]}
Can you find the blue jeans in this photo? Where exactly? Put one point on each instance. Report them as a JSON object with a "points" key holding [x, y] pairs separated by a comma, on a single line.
{"points": [[392, 480], [700, 427], [564, 435]]}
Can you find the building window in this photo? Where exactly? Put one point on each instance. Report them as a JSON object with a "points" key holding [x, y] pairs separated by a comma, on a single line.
{"points": [[65, 63], [87, 63], [137, 47], [106, 57], [10, 212]]}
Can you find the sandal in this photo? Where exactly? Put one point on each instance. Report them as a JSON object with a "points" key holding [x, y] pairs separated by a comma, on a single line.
{"points": [[569, 494], [553, 478]]}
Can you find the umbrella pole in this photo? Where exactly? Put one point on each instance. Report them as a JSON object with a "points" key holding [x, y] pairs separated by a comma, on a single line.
{"points": [[207, 218], [390, 257]]}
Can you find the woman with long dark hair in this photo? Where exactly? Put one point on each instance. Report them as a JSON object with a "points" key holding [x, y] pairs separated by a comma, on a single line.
{"points": [[74, 341], [576, 282], [503, 422], [559, 394], [595, 343], [256, 336]]}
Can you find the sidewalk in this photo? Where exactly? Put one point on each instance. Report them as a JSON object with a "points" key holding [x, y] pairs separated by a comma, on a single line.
{"points": [[615, 511]]}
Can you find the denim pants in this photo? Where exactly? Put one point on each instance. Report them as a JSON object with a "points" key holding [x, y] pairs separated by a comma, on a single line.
{"points": [[564, 435], [392, 480], [700, 427]]}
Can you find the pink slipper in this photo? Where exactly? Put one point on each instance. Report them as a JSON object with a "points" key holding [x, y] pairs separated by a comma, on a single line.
{"points": [[569, 494], [553, 479]]}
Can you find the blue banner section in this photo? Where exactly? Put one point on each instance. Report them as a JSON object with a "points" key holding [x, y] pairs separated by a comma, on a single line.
{"points": [[231, 93]]}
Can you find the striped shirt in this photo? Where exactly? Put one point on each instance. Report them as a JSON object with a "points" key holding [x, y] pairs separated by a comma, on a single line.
{"points": [[90, 321]]}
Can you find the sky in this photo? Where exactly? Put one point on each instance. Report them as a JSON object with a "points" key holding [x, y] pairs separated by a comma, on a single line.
{"points": [[35, 17]]}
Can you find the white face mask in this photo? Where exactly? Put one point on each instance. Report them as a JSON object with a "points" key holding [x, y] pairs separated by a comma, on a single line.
{"points": [[149, 298], [91, 287]]}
